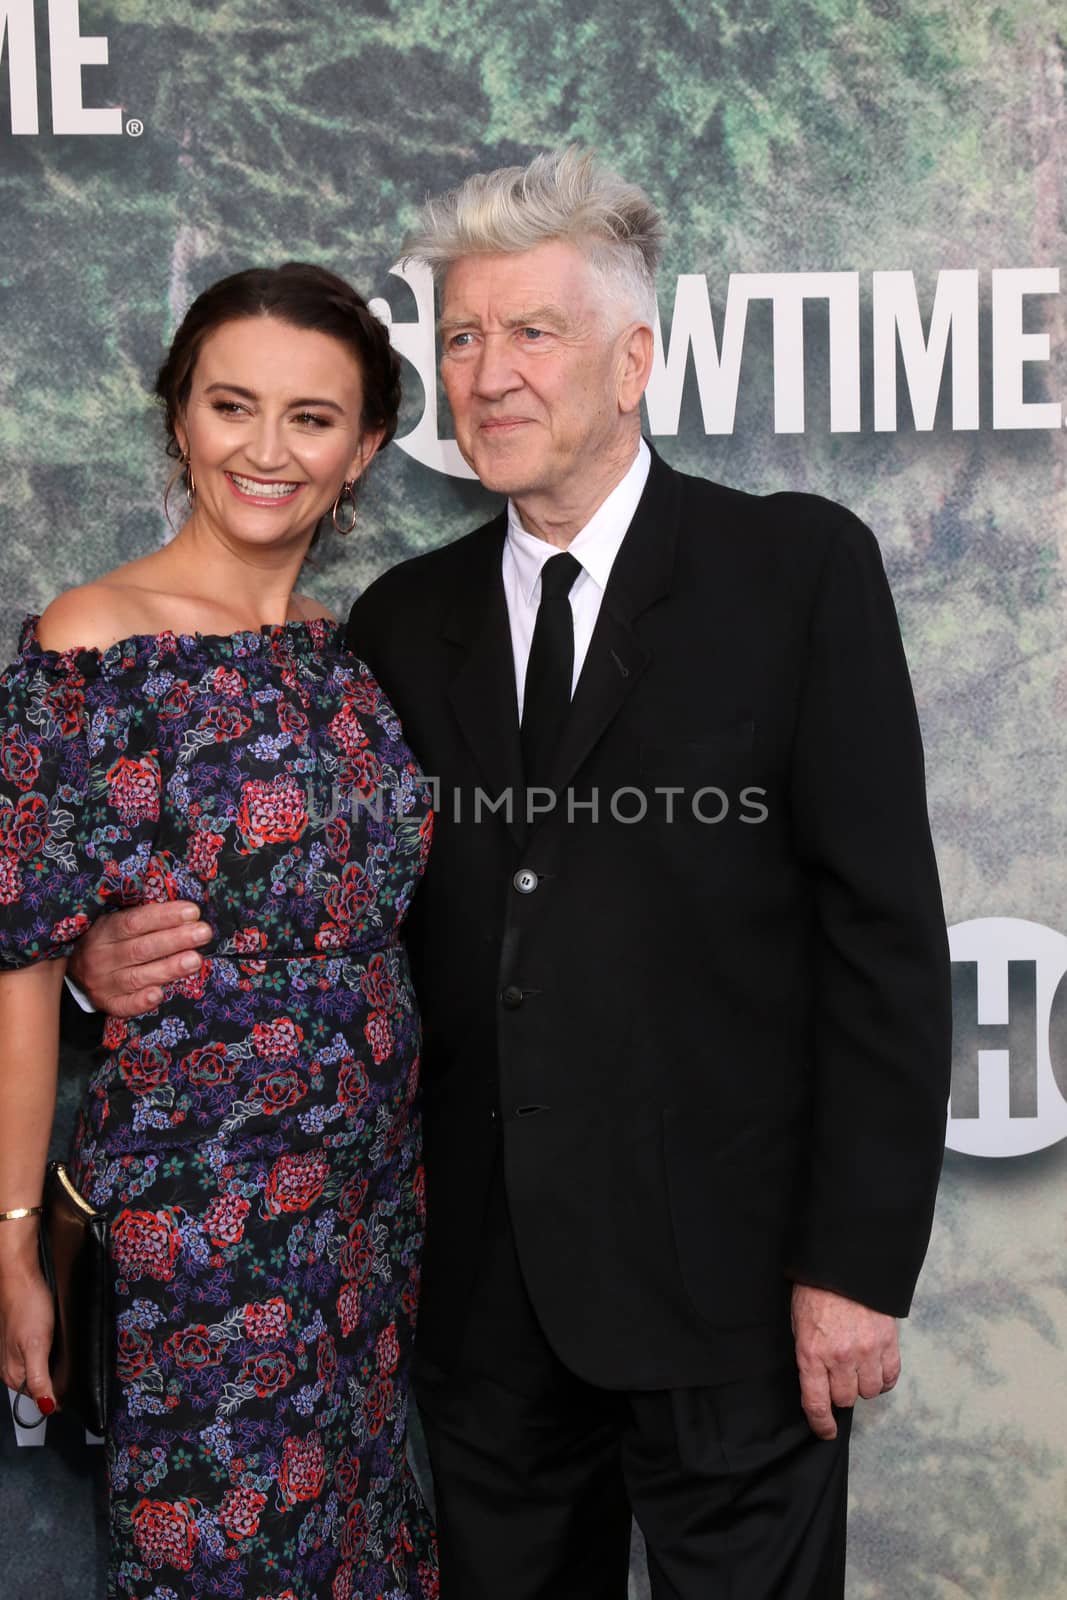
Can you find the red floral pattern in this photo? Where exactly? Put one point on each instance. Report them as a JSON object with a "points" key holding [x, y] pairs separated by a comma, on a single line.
{"points": [[10, 879], [165, 1533], [144, 1067], [303, 1469], [133, 788], [225, 722], [277, 1041], [224, 1219], [239, 1512], [24, 829], [268, 1372], [193, 1347], [135, 1353], [20, 761], [208, 1066], [296, 1180], [271, 810], [267, 1323], [255, 1140], [202, 854], [145, 1244]]}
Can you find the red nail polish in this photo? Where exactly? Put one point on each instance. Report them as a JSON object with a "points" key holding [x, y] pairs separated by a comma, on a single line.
{"points": [[45, 1405]]}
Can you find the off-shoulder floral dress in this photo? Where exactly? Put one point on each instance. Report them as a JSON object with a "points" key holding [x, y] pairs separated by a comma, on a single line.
{"points": [[254, 1140]]}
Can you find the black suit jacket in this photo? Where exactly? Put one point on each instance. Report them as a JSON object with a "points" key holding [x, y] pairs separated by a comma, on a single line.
{"points": [[713, 1053]]}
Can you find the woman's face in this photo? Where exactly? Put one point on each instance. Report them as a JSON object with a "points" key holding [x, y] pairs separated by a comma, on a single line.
{"points": [[272, 430]]}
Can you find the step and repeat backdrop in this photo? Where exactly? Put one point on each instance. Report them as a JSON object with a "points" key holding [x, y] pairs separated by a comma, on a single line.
{"points": [[862, 297]]}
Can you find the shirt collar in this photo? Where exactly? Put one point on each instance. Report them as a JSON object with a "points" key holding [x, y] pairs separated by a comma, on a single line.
{"points": [[596, 545]]}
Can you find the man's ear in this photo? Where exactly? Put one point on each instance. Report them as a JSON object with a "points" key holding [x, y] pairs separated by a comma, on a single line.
{"points": [[370, 443], [635, 365]]}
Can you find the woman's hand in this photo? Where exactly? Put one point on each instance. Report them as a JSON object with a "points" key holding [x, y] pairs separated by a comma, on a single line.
{"points": [[29, 1050], [27, 1318]]}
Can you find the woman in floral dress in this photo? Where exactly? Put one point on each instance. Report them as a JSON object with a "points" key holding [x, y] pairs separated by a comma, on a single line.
{"points": [[190, 728]]}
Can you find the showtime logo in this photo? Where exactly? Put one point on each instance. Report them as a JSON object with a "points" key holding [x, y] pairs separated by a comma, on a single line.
{"points": [[1009, 1037], [68, 53], [954, 320]]}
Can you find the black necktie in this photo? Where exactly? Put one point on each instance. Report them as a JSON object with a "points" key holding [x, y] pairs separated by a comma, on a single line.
{"points": [[547, 696]]}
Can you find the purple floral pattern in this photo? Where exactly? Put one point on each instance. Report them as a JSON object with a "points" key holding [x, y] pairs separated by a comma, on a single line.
{"points": [[255, 1140]]}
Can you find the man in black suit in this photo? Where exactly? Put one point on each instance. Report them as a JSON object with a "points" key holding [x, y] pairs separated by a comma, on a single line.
{"points": [[680, 952]]}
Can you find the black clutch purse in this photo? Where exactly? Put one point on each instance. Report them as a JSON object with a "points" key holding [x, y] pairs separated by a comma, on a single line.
{"points": [[76, 1266]]}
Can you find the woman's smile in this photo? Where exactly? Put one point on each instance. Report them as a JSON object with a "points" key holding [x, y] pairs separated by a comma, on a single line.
{"points": [[270, 491]]}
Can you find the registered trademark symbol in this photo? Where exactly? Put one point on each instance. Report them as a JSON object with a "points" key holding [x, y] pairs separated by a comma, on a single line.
{"points": [[135, 127]]}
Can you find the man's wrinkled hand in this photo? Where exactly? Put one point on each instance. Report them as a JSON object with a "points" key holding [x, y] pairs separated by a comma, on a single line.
{"points": [[844, 1349], [125, 959]]}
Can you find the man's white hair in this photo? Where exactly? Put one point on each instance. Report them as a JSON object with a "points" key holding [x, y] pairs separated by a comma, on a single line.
{"points": [[562, 194]]}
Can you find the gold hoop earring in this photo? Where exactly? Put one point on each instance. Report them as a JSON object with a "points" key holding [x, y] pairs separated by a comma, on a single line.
{"points": [[190, 482], [347, 493]]}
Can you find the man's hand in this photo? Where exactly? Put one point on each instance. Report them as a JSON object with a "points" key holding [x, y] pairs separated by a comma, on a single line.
{"points": [[843, 1350], [126, 957]]}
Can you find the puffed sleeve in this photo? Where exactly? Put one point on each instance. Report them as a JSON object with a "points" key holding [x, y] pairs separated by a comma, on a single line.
{"points": [[78, 806]]}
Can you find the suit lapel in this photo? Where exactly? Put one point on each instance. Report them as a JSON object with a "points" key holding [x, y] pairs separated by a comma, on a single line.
{"points": [[482, 692], [640, 575]]}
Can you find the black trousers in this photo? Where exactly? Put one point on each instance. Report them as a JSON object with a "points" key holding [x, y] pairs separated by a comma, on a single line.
{"points": [[537, 1472]]}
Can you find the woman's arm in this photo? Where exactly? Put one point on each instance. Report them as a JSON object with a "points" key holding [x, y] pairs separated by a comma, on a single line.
{"points": [[29, 1053]]}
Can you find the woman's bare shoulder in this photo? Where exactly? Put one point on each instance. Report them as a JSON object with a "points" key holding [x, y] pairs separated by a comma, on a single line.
{"points": [[306, 608], [91, 616], [127, 602]]}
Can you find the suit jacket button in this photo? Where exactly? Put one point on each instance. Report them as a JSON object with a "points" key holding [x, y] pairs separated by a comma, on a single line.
{"points": [[512, 997], [525, 880]]}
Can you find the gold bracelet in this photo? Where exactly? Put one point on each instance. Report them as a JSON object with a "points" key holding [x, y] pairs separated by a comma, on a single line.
{"points": [[20, 1212]]}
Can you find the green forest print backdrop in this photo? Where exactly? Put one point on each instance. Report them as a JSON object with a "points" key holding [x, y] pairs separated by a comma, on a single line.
{"points": [[908, 158]]}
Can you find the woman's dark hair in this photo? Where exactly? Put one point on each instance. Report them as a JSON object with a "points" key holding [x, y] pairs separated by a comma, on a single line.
{"points": [[304, 296]]}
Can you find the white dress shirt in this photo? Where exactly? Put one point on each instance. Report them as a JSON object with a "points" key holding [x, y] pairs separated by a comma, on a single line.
{"points": [[595, 547]]}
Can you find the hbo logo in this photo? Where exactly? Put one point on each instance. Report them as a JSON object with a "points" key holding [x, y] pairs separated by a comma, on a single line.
{"points": [[1009, 1047]]}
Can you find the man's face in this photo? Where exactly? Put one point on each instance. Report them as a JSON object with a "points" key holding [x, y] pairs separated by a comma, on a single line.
{"points": [[532, 359]]}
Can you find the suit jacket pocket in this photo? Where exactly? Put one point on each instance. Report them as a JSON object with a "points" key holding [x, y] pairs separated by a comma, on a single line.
{"points": [[731, 1199]]}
